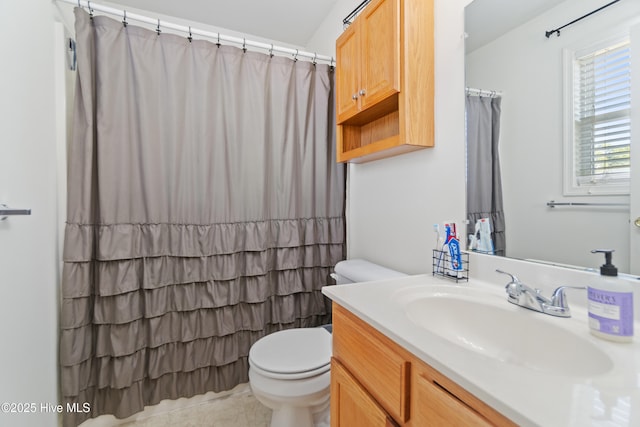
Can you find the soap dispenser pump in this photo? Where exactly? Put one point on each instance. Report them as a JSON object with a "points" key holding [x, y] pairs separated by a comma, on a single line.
{"points": [[610, 303]]}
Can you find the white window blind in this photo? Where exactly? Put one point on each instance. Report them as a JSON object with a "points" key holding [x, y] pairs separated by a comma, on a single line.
{"points": [[602, 123]]}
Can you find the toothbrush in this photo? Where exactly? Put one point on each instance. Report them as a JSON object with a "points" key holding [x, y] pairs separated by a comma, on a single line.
{"points": [[440, 243]]}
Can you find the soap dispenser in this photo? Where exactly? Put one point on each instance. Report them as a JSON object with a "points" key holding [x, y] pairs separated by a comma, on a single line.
{"points": [[610, 303]]}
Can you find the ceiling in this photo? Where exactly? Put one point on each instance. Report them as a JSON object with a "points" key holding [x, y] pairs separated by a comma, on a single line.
{"points": [[291, 22], [486, 20]]}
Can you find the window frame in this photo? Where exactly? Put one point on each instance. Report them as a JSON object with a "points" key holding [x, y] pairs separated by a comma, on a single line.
{"points": [[571, 187]]}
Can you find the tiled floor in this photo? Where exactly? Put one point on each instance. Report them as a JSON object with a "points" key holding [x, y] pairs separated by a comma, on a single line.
{"points": [[239, 409], [233, 411]]}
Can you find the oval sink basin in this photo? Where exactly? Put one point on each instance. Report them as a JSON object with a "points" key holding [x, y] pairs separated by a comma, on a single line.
{"points": [[521, 339]]}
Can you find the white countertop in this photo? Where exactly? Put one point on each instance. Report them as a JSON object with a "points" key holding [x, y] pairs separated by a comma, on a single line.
{"points": [[525, 395]]}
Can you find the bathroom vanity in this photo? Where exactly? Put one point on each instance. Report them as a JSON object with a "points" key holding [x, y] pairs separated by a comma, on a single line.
{"points": [[421, 351], [376, 382]]}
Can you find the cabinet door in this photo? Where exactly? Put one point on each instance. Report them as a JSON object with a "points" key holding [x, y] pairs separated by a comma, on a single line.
{"points": [[436, 406], [438, 401], [351, 405], [375, 361], [380, 44], [347, 73]]}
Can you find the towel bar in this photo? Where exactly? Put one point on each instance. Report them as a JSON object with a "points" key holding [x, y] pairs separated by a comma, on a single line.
{"points": [[5, 212]]}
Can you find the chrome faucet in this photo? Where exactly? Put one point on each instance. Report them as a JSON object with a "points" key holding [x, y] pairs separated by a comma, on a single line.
{"points": [[520, 294]]}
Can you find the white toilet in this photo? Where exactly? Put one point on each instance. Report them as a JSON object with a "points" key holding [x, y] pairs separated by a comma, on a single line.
{"points": [[289, 370]]}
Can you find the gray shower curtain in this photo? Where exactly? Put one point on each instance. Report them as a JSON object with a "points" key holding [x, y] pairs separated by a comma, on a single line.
{"points": [[484, 183], [205, 210]]}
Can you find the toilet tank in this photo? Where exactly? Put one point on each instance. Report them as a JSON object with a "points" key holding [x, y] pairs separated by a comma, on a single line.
{"points": [[360, 270]]}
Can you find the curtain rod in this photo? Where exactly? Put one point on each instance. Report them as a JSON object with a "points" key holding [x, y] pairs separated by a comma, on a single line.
{"points": [[557, 30], [349, 18], [483, 92], [296, 53]]}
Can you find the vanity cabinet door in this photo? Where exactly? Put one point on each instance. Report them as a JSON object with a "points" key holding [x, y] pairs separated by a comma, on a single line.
{"points": [[374, 361], [436, 407], [351, 405], [437, 401]]}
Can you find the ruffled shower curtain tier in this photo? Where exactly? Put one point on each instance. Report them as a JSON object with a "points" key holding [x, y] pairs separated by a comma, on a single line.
{"points": [[205, 210]]}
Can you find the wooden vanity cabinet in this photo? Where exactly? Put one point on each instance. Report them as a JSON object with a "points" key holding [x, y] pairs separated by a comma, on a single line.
{"points": [[385, 81], [375, 382]]}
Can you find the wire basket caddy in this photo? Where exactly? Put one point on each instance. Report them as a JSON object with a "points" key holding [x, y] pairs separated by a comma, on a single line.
{"points": [[443, 267]]}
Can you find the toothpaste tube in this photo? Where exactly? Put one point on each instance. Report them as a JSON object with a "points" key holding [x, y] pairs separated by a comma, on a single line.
{"points": [[453, 244]]}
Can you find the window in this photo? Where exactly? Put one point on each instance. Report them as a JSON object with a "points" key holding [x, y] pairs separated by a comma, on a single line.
{"points": [[598, 119]]}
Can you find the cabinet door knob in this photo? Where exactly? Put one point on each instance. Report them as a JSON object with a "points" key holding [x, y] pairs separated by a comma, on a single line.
{"points": [[354, 96], [362, 92], [637, 222]]}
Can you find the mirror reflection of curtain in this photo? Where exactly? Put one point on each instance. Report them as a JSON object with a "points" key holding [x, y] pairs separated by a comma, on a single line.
{"points": [[484, 185], [205, 210]]}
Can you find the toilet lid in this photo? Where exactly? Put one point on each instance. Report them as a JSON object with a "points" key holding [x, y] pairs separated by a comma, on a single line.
{"points": [[292, 351]]}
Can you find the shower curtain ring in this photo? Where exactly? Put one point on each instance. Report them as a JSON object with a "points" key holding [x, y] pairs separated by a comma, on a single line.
{"points": [[295, 57], [271, 51], [218, 43], [244, 45], [124, 19], [158, 27], [315, 56], [190, 38], [90, 10]]}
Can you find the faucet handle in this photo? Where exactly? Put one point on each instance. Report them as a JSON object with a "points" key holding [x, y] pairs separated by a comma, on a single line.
{"points": [[513, 288], [514, 279], [559, 299]]}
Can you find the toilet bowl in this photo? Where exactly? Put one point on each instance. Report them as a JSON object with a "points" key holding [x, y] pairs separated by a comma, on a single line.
{"points": [[289, 370]]}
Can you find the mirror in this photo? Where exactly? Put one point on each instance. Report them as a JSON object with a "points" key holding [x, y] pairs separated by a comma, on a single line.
{"points": [[507, 51]]}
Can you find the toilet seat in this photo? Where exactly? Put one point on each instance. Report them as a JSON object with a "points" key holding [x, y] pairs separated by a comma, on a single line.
{"points": [[292, 353]]}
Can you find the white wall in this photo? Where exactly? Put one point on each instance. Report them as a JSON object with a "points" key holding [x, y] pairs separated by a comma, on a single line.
{"points": [[527, 68], [393, 203], [28, 245]]}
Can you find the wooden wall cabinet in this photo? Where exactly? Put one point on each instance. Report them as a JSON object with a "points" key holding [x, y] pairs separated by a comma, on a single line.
{"points": [[385, 81], [375, 382]]}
